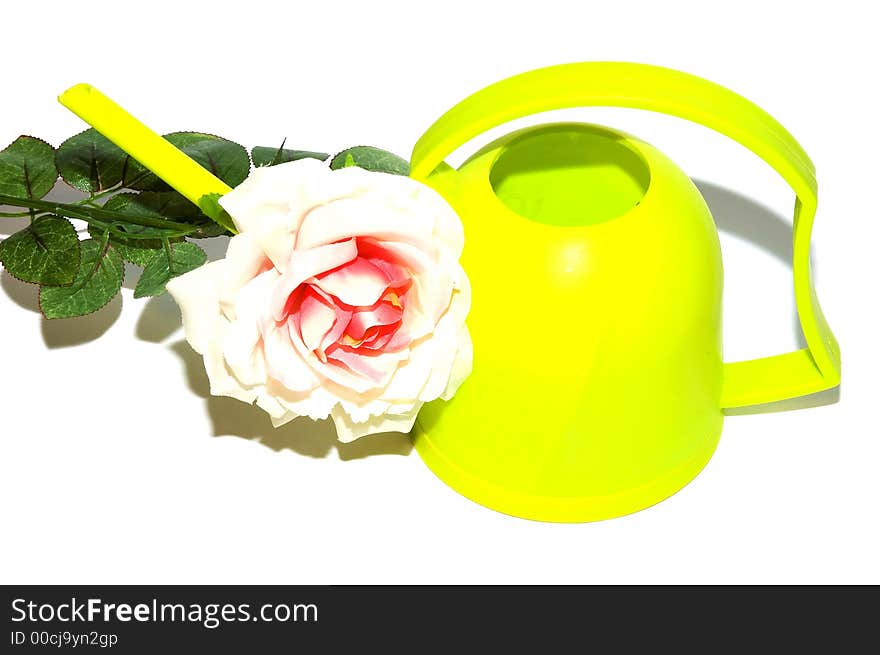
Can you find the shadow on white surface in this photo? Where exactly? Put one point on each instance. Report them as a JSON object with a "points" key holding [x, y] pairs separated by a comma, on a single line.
{"points": [[61, 332], [741, 216], [10, 226], [231, 417], [755, 223], [159, 319]]}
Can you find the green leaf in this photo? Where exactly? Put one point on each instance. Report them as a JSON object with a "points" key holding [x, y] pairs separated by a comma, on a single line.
{"points": [[184, 257], [140, 251], [169, 205], [208, 230], [372, 159], [27, 168], [134, 252], [210, 206], [137, 251], [155, 204], [45, 252], [97, 281], [225, 159], [90, 162], [264, 156]]}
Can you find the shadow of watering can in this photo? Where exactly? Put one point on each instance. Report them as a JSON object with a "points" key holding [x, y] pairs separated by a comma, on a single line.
{"points": [[598, 384]]}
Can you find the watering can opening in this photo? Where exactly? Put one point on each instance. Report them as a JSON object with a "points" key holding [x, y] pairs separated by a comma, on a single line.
{"points": [[570, 175]]}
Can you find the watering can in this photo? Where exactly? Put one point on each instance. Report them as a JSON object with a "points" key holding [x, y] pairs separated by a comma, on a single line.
{"points": [[598, 386]]}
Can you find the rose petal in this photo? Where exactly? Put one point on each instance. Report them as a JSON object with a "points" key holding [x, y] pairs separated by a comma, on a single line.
{"points": [[363, 411], [269, 404], [316, 404], [271, 203], [269, 190], [285, 363], [378, 368], [412, 198], [222, 381], [411, 376], [335, 333], [447, 225], [445, 342], [364, 216], [380, 341], [340, 375], [283, 419], [244, 261], [428, 295], [417, 321], [334, 373], [305, 264], [380, 315], [462, 366], [316, 318], [242, 347], [358, 283], [385, 260], [347, 430], [197, 293]]}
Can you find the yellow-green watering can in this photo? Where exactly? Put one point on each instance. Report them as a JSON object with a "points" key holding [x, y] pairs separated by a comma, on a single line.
{"points": [[598, 385]]}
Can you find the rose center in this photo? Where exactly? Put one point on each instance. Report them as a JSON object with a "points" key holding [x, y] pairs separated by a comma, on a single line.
{"points": [[353, 311]]}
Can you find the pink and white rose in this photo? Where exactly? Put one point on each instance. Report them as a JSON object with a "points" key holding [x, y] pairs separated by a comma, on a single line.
{"points": [[340, 297]]}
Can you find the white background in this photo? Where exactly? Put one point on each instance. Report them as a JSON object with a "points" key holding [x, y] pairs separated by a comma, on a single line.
{"points": [[116, 468]]}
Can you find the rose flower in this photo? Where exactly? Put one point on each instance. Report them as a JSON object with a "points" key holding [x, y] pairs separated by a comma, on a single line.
{"points": [[341, 296]]}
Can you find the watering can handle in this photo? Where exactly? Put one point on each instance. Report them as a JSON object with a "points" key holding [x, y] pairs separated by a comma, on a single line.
{"points": [[667, 91]]}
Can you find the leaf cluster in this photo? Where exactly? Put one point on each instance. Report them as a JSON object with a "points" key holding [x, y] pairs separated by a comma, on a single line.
{"points": [[130, 215]]}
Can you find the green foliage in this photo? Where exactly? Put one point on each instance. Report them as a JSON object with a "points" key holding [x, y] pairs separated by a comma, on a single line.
{"points": [[131, 240], [97, 281], [45, 252], [263, 156], [27, 168], [90, 162], [131, 215], [176, 259], [372, 159], [210, 205]]}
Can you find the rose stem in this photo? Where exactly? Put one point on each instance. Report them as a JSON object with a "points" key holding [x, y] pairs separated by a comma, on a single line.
{"points": [[181, 172]]}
